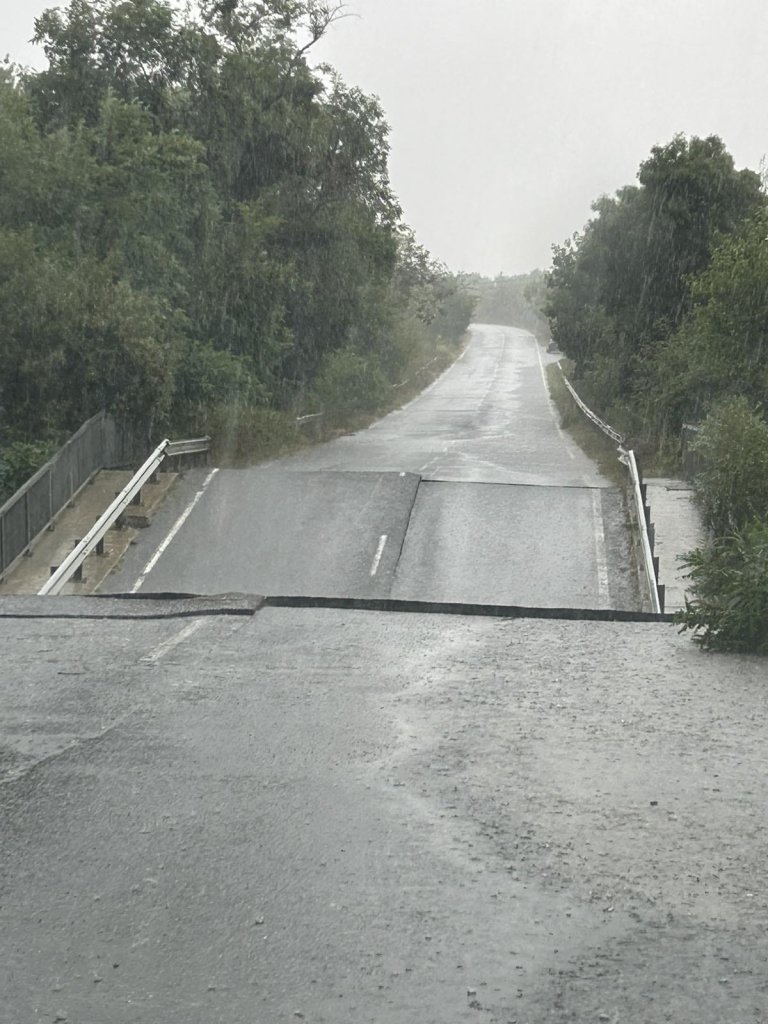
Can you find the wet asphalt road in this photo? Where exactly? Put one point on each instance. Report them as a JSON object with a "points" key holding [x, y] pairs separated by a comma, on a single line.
{"points": [[342, 817], [469, 493], [237, 814]]}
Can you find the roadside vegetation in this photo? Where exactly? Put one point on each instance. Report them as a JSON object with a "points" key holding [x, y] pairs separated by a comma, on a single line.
{"points": [[197, 231], [517, 301], [662, 304], [592, 441]]}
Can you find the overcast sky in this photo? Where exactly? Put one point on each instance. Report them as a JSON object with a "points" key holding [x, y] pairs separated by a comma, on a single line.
{"points": [[508, 117]]}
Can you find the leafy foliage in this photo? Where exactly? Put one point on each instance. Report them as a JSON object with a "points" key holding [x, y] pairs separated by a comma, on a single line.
{"points": [[20, 460], [733, 486], [729, 610], [192, 218], [663, 303], [619, 291], [349, 383], [722, 347]]}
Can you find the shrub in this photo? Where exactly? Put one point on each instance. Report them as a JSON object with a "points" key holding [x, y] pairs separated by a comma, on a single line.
{"points": [[20, 460], [729, 609], [241, 434], [350, 383], [733, 486]]}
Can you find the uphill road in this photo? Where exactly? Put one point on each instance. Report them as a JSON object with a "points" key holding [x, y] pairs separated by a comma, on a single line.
{"points": [[470, 493]]}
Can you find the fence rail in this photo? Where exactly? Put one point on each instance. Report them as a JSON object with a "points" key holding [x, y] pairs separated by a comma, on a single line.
{"points": [[100, 443], [627, 456]]}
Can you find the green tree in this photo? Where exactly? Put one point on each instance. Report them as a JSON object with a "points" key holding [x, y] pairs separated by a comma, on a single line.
{"points": [[624, 285], [191, 216], [722, 347]]}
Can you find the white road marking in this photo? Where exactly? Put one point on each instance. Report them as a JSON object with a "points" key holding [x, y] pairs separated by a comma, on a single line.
{"points": [[379, 553], [172, 533], [601, 554], [552, 409], [168, 645]]}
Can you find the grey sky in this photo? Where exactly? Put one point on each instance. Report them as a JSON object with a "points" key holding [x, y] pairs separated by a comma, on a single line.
{"points": [[509, 117]]}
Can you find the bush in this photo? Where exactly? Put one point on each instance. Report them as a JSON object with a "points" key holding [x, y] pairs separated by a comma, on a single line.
{"points": [[241, 434], [209, 377], [733, 486], [20, 460], [729, 609], [349, 383]]}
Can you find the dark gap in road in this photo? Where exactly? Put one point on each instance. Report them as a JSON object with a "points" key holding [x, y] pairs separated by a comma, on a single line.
{"points": [[517, 483], [181, 606], [131, 606], [498, 611], [407, 525]]}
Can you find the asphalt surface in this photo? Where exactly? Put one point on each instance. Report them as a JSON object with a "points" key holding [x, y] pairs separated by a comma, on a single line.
{"points": [[277, 815], [469, 493], [223, 811]]}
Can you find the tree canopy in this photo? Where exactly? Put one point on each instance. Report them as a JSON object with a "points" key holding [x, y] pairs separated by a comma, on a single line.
{"points": [[190, 214], [662, 301], [625, 285]]}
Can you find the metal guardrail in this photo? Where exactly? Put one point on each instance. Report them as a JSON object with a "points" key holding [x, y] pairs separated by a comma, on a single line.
{"points": [[606, 429], [650, 562], [73, 561], [627, 456], [100, 443], [81, 551], [192, 446]]}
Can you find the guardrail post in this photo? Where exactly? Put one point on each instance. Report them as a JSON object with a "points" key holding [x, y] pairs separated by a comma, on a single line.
{"points": [[77, 575]]}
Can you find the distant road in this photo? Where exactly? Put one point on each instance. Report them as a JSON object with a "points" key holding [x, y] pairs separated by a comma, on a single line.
{"points": [[471, 492]]}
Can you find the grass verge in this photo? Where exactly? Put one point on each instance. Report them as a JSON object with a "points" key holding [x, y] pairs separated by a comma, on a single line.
{"points": [[592, 441], [602, 450]]}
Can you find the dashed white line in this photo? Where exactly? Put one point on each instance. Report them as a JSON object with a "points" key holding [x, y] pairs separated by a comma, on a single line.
{"points": [[168, 645], [601, 554], [172, 533], [379, 552]]}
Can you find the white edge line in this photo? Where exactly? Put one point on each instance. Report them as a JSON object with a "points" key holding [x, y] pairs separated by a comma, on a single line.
{"points": [[379, 553], [168, 645], [550, 402], [172, 533], [601, 553]]}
